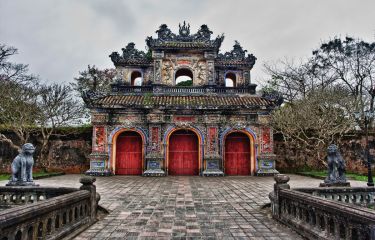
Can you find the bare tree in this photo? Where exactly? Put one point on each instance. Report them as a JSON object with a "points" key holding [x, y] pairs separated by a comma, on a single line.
{"points": [[348, 63], [18, 91], [57, 107], [314, 122], [94, 79], [352, 63]]}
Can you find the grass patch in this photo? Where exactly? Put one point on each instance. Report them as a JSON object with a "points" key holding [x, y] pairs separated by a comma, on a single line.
{"points": [[323, 175], [36, 175]]}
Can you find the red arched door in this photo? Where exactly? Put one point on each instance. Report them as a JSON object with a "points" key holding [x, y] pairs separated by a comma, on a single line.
{"points": [[237, 154], [183, 153], [129, 154]]}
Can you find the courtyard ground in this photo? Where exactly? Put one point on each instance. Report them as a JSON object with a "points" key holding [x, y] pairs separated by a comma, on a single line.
{"points": [[184, 207]]}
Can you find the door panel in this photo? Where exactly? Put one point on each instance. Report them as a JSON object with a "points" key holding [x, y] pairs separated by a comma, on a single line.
{"points": [[183, 153], [237, 154], [129, 154]]}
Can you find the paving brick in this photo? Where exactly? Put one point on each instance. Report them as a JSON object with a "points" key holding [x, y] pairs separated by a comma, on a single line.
{"points": [[185, 207]]}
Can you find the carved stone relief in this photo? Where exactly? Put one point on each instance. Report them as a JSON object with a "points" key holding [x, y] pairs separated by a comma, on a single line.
{"points": [[202, 73], [157, 71]]}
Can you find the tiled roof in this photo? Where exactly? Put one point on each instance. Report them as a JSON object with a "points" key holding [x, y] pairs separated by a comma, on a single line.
{"points": [[190, 102]]}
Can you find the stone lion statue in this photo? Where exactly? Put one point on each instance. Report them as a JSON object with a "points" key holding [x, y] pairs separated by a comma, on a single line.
{"points": [[336, 166], [22, 165]]}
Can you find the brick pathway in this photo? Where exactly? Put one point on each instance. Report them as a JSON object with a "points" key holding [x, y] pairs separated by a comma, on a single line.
{"points": [[185, 207]]}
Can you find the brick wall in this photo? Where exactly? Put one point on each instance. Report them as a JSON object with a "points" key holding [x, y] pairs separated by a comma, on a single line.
{"points": [[291, 159], [67, 152]]}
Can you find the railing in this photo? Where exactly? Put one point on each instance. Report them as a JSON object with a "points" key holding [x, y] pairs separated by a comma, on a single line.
{"points": [[362, 196], [315, 217], [119, 88], [12, 196], [41, 217]]}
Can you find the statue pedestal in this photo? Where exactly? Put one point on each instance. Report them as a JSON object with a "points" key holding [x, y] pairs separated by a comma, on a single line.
{"points": [[337, 184], [21, 184], [154, 167], [213, 167]]}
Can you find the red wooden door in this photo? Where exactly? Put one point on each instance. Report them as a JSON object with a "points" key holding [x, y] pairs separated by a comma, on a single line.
{"points": [[183, 153], [129, 154], [237, 154]]}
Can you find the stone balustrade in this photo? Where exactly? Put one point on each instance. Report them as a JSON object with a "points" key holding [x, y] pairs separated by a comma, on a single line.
{"points": [[321, 214], [119, 88], [46, 213], [12, 196], [363, 196]]}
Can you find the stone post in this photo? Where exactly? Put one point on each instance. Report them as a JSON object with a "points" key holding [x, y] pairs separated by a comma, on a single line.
{"points": [[88, 184], [281, 183]]}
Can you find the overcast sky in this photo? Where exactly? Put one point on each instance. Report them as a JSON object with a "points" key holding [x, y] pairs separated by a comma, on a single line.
{"points": [[59, 38]]}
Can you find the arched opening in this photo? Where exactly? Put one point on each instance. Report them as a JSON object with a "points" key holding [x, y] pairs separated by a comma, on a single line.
{"points": [[184, 77], [129, 153], [136, 78], [230, 79], [183, 153], [237, 154]]}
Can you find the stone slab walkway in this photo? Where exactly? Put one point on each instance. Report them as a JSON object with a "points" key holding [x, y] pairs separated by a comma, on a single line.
{"points": [[185, 207]]}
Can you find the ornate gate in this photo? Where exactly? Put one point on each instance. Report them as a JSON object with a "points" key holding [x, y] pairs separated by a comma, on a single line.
{"points": [[129, 154], [183, 153], [237, 154]]}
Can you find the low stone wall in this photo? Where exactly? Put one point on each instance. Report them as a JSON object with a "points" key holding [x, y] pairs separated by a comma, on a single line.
{"points": [[324, 213], [289, 157], [68, 152], [46, 213]]}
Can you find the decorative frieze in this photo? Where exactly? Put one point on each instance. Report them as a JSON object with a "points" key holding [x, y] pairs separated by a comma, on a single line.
{"points": [[128, 118], [184, 119], [99, 118]]}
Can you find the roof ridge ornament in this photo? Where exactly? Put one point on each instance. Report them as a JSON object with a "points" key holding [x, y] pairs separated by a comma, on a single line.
{"points": [[184, 30], [237, 54], [129, 54], [200, 40]]}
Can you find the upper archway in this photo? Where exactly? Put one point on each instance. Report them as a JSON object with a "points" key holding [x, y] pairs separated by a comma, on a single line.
{"points": [[136, 78], [230, 79], [184, 77]]}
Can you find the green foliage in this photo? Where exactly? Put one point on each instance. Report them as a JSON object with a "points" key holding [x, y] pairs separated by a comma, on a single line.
{"points": [[187, 83], [36, 175]]}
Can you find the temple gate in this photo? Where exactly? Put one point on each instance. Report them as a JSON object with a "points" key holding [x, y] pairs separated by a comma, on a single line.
{"points": [[182, 108]]}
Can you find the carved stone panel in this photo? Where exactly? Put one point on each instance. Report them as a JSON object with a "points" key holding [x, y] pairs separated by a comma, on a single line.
{"points": [[264, 119], [237, 119], [167, 72], [99, 118], [184, 119], [202, 71], [212, 118], [211, 71], [157, 71], [129, 118], [155, 118]]}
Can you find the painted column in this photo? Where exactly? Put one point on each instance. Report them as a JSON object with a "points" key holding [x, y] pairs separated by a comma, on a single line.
{"points": [[99, 154], [154, 157], [266, 159], [212, 160]]}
